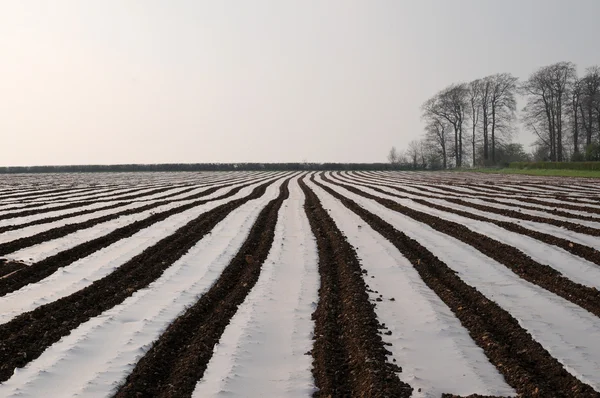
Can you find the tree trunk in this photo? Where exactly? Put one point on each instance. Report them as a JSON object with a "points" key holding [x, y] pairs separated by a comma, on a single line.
{"points": [[586, 126], [552, 135], [576, 100], [473, 142], [460, 149], [576, 134], [456, 157], [493, 134], [444, 157], [485, 139], [559, 147]]}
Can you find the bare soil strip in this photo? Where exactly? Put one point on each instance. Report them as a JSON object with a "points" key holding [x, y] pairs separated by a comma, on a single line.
{"points": [[113, 206], [61, 231], [139, 198], [43, 200], [38, 193], [556, 195], [9, 267], [84, 203], [515, 260], [554, 189], [554, 208], [349, 356], [87, 192], [514, 214], [24, 338], [523, 362], [518, 215], [589, 253], [178, 359], [492, 199], [46, 267]]}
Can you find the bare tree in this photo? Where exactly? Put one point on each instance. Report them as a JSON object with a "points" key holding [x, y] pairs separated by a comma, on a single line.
{"points": [[423, 153], [393, 156], [431, 155], [486, 92], [547, 92], [574, 112], [451, 105], [437, 135], [589, 104], [475, 94], [413, 152], [503, 106]]}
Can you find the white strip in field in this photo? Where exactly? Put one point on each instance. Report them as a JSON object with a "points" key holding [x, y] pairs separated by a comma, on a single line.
{"points": [[568, 332], [134, 202], [435, 351], [587, 240], [571, 266], [412, 184], [514, 202], [538, 213], [84, 272], [46, 249], [97, 356], [17, 195], [34, 229], [107, 193], [263, 349], [6, 202], [92, 195]]}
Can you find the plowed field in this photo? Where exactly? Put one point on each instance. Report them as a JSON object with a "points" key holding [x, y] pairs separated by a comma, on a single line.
{"points": [[299, 284]]}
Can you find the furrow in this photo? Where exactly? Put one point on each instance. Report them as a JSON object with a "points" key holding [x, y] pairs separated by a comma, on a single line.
{"points": [[24, 338], [178, 359], [523, 362], [540, 274], [105, 349], [349, 356], [586, 252]]}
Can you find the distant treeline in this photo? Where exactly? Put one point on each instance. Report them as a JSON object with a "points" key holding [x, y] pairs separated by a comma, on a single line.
{"points": [[207, 167]]}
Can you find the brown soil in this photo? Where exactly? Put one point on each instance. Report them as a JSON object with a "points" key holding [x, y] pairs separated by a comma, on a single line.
{"points": [[515, 260], [25, 337], [8, 267], [178, 359], [349, 357], [46, 267], [585, 252], [513, 214], [160, 202], [523, 362], [491, 198], [73, 205], [37, 193]]}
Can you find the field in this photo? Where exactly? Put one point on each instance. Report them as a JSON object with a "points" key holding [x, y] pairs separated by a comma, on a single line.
{"points": [[293, 284]]}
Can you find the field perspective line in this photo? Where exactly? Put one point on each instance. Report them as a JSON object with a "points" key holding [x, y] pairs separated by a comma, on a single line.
{"points": [[25, 337], [523, 362], [349, 357], [528, 269], [178, 359]]}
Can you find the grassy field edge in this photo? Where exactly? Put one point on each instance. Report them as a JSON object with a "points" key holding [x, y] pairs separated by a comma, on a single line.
{"points": [[538, 172]]}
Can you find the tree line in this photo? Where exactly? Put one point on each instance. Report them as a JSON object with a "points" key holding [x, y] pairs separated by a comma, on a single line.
{"points": [[205, 167], [471, 124]]}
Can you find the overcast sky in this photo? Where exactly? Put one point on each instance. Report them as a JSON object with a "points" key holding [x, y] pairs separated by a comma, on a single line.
{"points": [[124, 81]]}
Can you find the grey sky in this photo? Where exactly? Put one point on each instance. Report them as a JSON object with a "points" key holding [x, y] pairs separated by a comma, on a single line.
{"points": [[119, 81]]}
